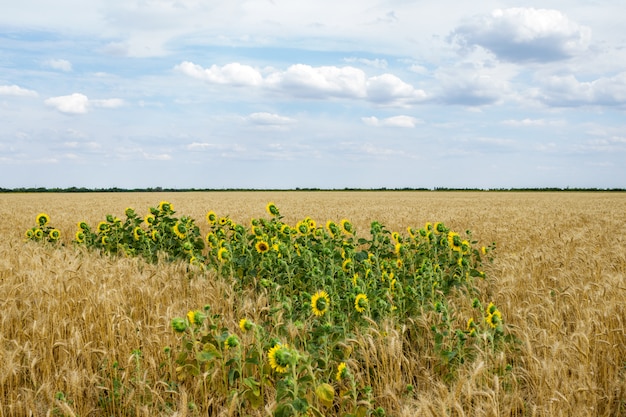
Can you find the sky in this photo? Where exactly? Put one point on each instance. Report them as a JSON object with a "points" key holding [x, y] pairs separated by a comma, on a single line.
{"points": [[312, 94]]}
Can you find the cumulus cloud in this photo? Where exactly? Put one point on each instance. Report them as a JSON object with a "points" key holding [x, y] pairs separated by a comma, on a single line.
{"points": [[59, 64], [14, 90], [568, 91], [525, 34], [78, 103], [394, 121], [305, 81]]}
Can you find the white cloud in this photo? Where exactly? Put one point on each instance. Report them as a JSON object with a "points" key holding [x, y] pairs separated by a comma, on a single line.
{"points": [[14, 90], [232, 74], [394, 121], [157, 157], [320, 82], [78, 103], [74, 103], [532, 122], [525, 34], [568, 91], [269, 119], [59, 64], [374, 63], [387, 88], [472, 84], [109, 103], [306, 81]]}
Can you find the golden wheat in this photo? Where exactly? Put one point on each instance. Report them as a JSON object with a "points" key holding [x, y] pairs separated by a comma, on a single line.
{"points": [[73, 323]]}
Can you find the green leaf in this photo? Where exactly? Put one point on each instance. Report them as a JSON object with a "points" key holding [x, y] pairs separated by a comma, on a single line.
{"points": [[208, 353], [326, 394], [254, 398]]}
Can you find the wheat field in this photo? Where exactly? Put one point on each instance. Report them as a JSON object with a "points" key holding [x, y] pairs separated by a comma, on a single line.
{"points": [[72, 321]]}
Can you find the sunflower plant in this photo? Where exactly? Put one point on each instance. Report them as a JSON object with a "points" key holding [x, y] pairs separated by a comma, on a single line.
{"points": [[43, 231]]}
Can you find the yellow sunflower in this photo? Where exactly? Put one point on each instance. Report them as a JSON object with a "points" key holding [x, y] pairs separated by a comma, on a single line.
{"points": [[361, 302], [223, 255], [279, 357], [211, 217], [262, 246], [42, 219], [272, 209], [319, 303], [342, 371]]}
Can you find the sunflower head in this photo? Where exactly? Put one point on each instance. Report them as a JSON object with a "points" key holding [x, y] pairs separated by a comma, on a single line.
{"points": [[223, 255], [54, 234], [319, 303], [195, 317], [231, 341], [166, 207], [180, 230], [280, 357], [347, 226], [179, 325], [103, 227], [138, 233], [361, 303], [42, 219], [272, 209], [262, 246], [149, 219], [245, 325], [342, 371], [211, 217]]}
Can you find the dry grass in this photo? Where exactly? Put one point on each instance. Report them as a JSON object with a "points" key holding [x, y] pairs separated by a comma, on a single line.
{"points": [[559, 278]]}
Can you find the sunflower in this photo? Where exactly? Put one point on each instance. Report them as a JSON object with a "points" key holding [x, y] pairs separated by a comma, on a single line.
{"points": [[195, 317], [211, 217], [333, 229], [149, 219], [455, 241], [166, 207], [154, 235], [395, 236], [137, 233], [361, 302], [105, 240], [302, 227], [223, 254], [262, 246], [272, 209], [29, 234], [180, 230], [342, 371], [347, 226], [211, 239], [231, 342], [279, 357], [103, 227], [346, 265], [436, 227], [42, 219], [54, 234], [245, 325], [319, 303], [83, 226]]}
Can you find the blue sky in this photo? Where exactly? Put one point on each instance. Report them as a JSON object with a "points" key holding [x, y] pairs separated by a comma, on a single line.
{"points": [[285, 94]]}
